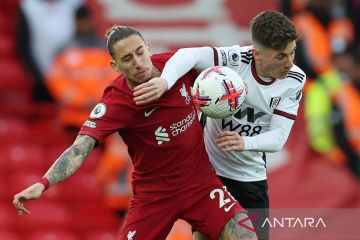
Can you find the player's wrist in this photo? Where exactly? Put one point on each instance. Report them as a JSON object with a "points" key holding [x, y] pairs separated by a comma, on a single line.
{"points": [[45, 182], [168, 76], [165, 84], [247, 144]]}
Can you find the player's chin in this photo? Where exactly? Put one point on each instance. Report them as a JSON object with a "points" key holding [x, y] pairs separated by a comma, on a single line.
{"points": [[141, 80], [281, 76], [146, 74]]}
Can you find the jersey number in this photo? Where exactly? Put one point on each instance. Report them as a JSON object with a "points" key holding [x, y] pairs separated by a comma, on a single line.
{"points": [[247, 130], [222, 200]]}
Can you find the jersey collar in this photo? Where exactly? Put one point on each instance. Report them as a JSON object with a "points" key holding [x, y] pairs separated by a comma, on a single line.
{"points": [[256, 76]]}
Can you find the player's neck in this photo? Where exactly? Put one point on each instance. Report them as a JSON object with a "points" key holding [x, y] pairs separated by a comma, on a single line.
{"points": [[262, 74], [155, 72]]}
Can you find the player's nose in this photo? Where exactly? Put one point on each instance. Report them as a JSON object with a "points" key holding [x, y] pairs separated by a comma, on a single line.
{"points": [[137, 61], [289, 63]]}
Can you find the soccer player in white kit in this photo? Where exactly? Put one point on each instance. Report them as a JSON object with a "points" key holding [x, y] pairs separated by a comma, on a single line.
{"points": [[237, 145]]}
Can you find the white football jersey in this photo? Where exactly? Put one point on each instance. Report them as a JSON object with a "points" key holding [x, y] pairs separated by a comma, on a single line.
{"points": [[264, 99]]}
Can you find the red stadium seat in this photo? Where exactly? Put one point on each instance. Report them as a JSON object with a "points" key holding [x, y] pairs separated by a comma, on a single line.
{"points": [[100, 235], [48, 127], [15, 84], [7, 235], [242, 18], [22, 157], [20, 181], [5, 215], [52, 234], [3, 191], [81, 187], [44, 215], [12, 129]]}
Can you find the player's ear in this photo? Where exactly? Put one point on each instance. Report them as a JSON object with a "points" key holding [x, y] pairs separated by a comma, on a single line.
{"points": [[114, 65], [255, 52]]}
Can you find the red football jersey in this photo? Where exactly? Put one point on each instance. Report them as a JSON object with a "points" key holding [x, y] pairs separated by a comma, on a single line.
{"points": [[164, 138]]}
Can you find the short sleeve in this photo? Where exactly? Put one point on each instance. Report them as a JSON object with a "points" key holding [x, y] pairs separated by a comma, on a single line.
{"points": [[229, 56], [110, 115]]}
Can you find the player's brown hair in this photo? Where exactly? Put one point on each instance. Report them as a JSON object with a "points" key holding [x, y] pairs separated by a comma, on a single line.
{"points": [[272, 29], [117, 33]]}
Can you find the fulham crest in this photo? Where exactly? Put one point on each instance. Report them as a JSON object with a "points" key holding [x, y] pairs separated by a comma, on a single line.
{"points": [[274, 102]]}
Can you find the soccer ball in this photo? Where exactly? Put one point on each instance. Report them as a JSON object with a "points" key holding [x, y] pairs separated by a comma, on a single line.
{"points": [[219, 92]]}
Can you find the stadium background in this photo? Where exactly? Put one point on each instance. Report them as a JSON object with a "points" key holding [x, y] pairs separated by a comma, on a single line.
{"points": [[31, 138]]}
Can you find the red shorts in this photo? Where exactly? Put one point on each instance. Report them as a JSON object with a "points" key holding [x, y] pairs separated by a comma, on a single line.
{"points": [[206, 205]]}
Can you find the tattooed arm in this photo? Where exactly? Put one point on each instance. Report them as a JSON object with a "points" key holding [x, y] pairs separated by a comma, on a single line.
{"points": [[67, 164], [70, 160]]}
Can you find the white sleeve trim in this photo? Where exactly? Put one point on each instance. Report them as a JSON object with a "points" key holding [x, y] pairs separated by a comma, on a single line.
{"points": [[272, 140], [184, 60]]}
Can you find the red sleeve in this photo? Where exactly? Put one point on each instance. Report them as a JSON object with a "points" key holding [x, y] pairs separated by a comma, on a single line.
{"points": [[111, 114], [159, 60]]}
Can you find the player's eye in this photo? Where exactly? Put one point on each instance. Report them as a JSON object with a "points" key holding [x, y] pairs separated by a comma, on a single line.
{"points": [[126, 59]]}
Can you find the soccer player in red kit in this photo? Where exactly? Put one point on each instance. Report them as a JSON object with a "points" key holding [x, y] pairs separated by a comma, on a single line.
{"points": [[173, 178]]}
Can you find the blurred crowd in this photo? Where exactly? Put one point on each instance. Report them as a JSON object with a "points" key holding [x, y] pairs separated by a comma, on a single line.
{"points": [[328, 51]]}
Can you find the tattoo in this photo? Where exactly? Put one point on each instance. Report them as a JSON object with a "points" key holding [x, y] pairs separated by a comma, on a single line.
{"points": [[70, 160], [233, 230]]}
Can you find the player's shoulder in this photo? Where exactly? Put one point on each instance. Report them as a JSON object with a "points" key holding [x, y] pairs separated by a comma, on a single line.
{"points": [[159, 60], [296, 76], [246, 54], [236, 55], [161, 57], [118, 87]]}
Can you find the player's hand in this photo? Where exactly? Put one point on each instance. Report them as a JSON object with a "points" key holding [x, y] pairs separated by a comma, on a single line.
{"points": [[150, 91], [31, 193], [230, 141]]}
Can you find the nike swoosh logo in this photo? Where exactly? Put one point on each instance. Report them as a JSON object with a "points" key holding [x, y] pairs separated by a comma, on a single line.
{"points": [[229, 207], [148, 113]]}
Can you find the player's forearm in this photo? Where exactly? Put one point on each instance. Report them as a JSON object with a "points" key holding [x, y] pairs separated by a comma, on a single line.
{"points": [[184, 60], [272, 140], [70, 161]]}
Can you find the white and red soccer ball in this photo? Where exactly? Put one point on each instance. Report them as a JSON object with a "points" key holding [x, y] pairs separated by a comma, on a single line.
{"points": [[219, 92]]}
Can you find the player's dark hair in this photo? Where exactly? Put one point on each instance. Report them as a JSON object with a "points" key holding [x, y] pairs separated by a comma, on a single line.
{"points": [[117, 33], [272, 29]]}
